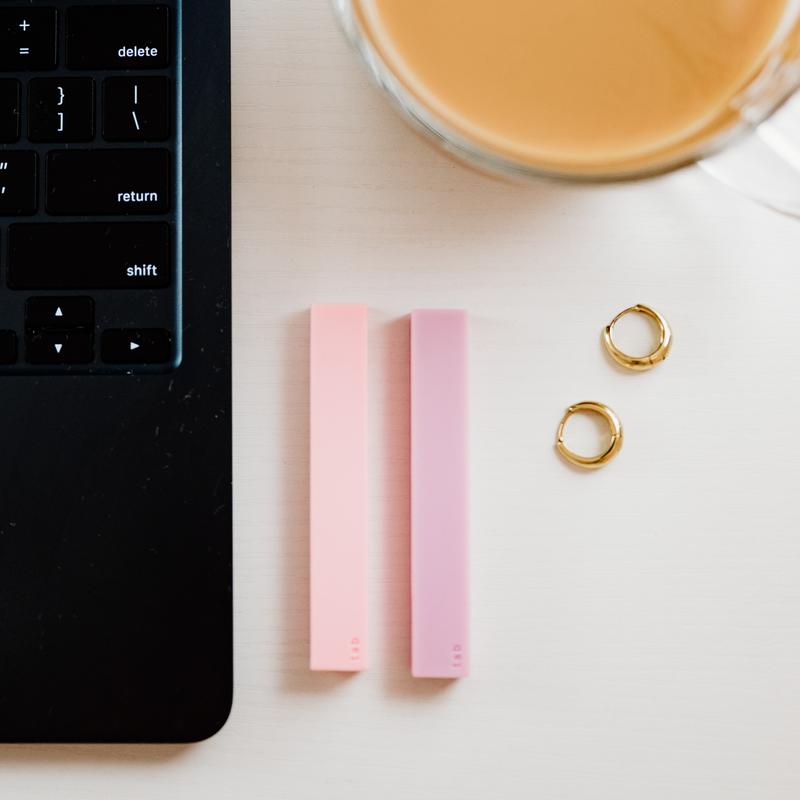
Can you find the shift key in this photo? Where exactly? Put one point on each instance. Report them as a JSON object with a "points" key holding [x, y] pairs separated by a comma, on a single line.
{"points": [[108, 182], [93, 255]]}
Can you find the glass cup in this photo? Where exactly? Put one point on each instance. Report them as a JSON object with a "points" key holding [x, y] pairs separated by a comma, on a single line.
{"points": [[746, 166]]}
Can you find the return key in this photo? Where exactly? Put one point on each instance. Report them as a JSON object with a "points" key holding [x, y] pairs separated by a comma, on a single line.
{"points": [[117, 182]]}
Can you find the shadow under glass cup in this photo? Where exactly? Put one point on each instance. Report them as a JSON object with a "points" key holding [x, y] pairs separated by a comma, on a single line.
{"points": [[580, 89]]}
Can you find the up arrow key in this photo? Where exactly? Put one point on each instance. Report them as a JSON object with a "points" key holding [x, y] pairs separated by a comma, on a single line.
{"points": [[59, 312]]}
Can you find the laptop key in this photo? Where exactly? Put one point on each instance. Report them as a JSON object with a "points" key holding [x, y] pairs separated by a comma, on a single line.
{"points": [[59, 347], [18, 182], [108, 182], [134, 255], [61, 110], [136, 346], [9, 110], [8, 347], [118, 37], [59, 312], [136, 109], [28, 39]]}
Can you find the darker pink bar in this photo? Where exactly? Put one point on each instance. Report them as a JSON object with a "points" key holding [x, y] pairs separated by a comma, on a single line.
{"points": [[439, 495]]}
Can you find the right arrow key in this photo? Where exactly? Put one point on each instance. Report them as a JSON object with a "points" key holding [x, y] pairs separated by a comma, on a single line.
{"points": [[137, 346]]}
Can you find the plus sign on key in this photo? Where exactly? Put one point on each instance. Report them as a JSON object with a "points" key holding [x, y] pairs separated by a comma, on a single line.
{"points": [[28, 39]]}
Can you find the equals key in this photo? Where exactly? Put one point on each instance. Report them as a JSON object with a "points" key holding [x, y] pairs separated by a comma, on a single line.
{"points": [[28, 38]]}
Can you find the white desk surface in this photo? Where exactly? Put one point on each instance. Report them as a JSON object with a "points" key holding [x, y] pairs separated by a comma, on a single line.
{"points": [[636, 631]]}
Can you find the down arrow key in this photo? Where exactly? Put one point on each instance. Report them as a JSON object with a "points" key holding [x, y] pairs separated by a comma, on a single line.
{"points": [[59, 347]]}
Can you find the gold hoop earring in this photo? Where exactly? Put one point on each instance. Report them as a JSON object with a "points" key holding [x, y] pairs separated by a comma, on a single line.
{"points": [[614, 427], [640, 363]]}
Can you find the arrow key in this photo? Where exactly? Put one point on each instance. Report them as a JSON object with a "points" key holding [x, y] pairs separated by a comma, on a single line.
{"points": [[8, 347], [137, 346], [59, 347], [59, 312]]}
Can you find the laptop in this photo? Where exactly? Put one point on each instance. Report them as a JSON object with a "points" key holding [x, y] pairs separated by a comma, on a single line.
{"points": [[115, 371]]}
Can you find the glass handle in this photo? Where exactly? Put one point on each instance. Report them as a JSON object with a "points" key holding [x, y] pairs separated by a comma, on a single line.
{"points": [[764, 165]]}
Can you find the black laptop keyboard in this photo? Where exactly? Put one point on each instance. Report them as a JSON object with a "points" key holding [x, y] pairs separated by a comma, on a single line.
{"points": [[89, 196]]}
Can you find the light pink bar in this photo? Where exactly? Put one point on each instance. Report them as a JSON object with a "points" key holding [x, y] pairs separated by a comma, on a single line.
{"points": [[439, 495], [338, 488]]}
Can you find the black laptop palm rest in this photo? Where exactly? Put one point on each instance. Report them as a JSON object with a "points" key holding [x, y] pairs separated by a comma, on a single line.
{"points": [[115, 366]]}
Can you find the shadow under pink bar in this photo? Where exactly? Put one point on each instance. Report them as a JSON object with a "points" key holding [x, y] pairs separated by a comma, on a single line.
{"points": [[338, 488], [439, 495]]}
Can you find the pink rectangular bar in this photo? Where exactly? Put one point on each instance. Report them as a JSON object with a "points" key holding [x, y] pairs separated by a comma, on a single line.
{"points": [[439, 495], [338, 488]]}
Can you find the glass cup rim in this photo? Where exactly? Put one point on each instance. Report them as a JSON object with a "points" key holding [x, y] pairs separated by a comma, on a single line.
{"points": [[430, 125]]}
